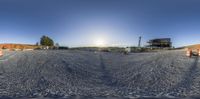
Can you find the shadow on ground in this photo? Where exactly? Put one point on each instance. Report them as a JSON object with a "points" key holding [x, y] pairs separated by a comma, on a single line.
{"points": [[187, 79]]}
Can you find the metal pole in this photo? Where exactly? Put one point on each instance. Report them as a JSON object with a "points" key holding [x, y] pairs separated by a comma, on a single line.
{"points": [[139, 43]]}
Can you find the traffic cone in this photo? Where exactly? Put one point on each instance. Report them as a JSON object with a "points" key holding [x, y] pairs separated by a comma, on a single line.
{"points": [[1, 53], [189, 53]]}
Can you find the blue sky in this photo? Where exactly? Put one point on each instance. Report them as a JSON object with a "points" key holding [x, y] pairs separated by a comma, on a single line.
{"points": [[87, 22]]}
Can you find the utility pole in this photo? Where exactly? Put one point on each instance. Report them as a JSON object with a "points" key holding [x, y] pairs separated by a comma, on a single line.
{"points": [[139, 42]]}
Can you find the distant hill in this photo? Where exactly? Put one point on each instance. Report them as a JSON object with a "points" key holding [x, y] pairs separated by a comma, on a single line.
{"points": [[18, 46], [195, 46]]}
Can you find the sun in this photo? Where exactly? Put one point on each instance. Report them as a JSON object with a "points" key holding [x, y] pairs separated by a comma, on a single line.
{"points": [[100, 42], [99, 39]]}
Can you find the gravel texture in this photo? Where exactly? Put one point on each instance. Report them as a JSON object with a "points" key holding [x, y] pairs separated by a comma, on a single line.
{"points": [[64, 74]]}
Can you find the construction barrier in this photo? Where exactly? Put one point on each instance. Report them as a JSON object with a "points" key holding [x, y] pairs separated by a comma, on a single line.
{"points": [[189, 53], [1, 53], [198, 52]]}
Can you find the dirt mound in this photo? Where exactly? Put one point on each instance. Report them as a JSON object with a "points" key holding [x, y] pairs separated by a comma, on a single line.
{"points": [[18, 46], [196, 46]]}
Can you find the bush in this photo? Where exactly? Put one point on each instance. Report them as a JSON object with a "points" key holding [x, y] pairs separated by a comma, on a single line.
{"points": [[63, 48]]}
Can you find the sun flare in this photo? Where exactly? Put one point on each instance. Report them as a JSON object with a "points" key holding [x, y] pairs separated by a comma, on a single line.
{"points": [[100, 42]]}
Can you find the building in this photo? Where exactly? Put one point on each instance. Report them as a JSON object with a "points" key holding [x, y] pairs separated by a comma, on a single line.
{"points": [[160, 43]]}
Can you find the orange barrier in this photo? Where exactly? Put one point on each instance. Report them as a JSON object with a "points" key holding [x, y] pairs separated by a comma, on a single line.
{"points": [[198, 52], [189, 53], [1, 53]]}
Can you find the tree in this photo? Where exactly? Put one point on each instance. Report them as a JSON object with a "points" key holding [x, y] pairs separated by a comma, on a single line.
{"points": [[57, 46], [37, 44], [46, 41]]}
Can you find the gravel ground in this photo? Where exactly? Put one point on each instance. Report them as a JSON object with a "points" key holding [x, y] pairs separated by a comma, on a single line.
{"points": [[70, 74]]}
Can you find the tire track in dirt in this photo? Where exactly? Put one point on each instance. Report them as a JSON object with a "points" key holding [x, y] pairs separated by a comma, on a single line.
{"points": [[2, 59], [187, 79], [5, 58], [106, 77]]}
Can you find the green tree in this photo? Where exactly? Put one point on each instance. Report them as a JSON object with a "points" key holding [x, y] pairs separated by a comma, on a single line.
{"points": [[46, 41], [57, 46], [37, 44]]}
